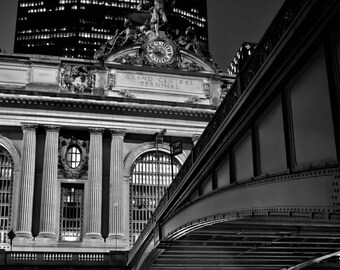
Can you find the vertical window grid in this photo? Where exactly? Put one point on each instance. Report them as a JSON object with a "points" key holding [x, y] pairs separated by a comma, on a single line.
{"points": [[6, 188], [71, 212], [145, 189], [73, 157]]}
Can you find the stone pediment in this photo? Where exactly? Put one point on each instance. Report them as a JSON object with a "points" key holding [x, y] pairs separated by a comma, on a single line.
{"points": [[159, 68], [156, 57], [160, 53]]}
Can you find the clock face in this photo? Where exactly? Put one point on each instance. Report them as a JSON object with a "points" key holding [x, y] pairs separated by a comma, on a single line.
{"points": [[160, 52]]}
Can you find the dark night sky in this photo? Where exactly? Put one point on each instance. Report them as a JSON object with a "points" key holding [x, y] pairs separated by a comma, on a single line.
{"points": [[230, 22]]}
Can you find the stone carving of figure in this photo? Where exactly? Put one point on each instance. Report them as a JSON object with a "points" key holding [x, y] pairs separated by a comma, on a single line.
{"points": [[158, 9], [146, 6], [158, 14], [129, 32], [189, 41]]}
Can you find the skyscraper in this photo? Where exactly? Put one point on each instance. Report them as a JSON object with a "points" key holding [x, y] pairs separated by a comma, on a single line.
{"points": [[241, 57], [77, 28]]}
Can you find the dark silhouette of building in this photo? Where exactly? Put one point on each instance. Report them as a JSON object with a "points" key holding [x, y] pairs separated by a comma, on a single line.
{"points": [[241, 57], [77, 28]]}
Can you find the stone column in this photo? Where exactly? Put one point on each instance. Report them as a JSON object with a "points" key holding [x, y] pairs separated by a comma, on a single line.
{"points": [[49, 199], [94, 200], [116, 222], [25, 210]]}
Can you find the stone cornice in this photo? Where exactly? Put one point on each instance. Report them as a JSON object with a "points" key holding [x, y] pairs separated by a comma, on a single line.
{"points": [[168, 109]]}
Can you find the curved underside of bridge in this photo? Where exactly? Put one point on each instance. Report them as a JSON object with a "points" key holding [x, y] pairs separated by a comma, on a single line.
{"points": [[251, 243]]}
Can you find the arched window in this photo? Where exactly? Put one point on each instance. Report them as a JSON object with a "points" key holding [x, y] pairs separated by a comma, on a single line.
{"points": [[6, 190], [151, 174]]}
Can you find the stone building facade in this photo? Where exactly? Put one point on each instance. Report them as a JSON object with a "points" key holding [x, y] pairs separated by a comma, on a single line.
{"points": [[85, 146]]}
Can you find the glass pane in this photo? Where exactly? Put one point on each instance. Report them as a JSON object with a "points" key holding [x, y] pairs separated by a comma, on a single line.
{"points": [[312, 118], [272, 141], [244, 159], [223, 173], [73, 157]]}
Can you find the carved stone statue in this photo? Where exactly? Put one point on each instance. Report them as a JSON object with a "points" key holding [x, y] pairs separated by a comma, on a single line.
{"points": [[146, 6], [158, 10], [154, 20], [158, 14], [129, 32]]}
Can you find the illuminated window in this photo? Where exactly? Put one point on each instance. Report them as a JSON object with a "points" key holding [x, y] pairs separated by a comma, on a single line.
{"points": [[6, 185], [71, 212], [150, 176], [73, 157]]}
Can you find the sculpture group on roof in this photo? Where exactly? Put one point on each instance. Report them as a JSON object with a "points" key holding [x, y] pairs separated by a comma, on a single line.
{"points": [[154, 19]]}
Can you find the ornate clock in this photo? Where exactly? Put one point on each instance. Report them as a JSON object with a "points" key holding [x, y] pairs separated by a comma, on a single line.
{"points": [[160, 51]]}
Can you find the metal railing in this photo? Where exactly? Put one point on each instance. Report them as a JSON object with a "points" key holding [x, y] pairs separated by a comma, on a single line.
{"points": [[60, 258]]}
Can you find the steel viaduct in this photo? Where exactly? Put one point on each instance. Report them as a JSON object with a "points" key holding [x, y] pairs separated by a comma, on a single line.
{"points": [[261, 189]]}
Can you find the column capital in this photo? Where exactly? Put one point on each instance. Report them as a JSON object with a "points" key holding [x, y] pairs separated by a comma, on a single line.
{"points": [[29, 126], [52, 128], [118, 132], [96, 130]]}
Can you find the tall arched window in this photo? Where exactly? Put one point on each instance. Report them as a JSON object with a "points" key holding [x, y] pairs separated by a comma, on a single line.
{"points": [[6, 191], [150, 176]]}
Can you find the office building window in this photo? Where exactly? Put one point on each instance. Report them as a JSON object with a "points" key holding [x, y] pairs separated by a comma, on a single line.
{"points": [[71, 212], [6, 188], [150, 176]]}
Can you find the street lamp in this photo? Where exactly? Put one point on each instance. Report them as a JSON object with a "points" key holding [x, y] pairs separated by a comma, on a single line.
{"points": [[11, 235]]}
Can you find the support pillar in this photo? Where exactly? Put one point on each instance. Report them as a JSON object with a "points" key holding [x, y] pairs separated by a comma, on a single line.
{"points": [[25, 210], [116, 230], [48, 214], [93, 216]]}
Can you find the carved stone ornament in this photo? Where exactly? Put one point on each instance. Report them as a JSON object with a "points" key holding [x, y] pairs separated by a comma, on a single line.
{"points": [[75, 78], [188, 65], [157, 41], [125, 93], [159, 53], [130, 59], [73, 157], [111, 81], [206, 89], [192, 99]]}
